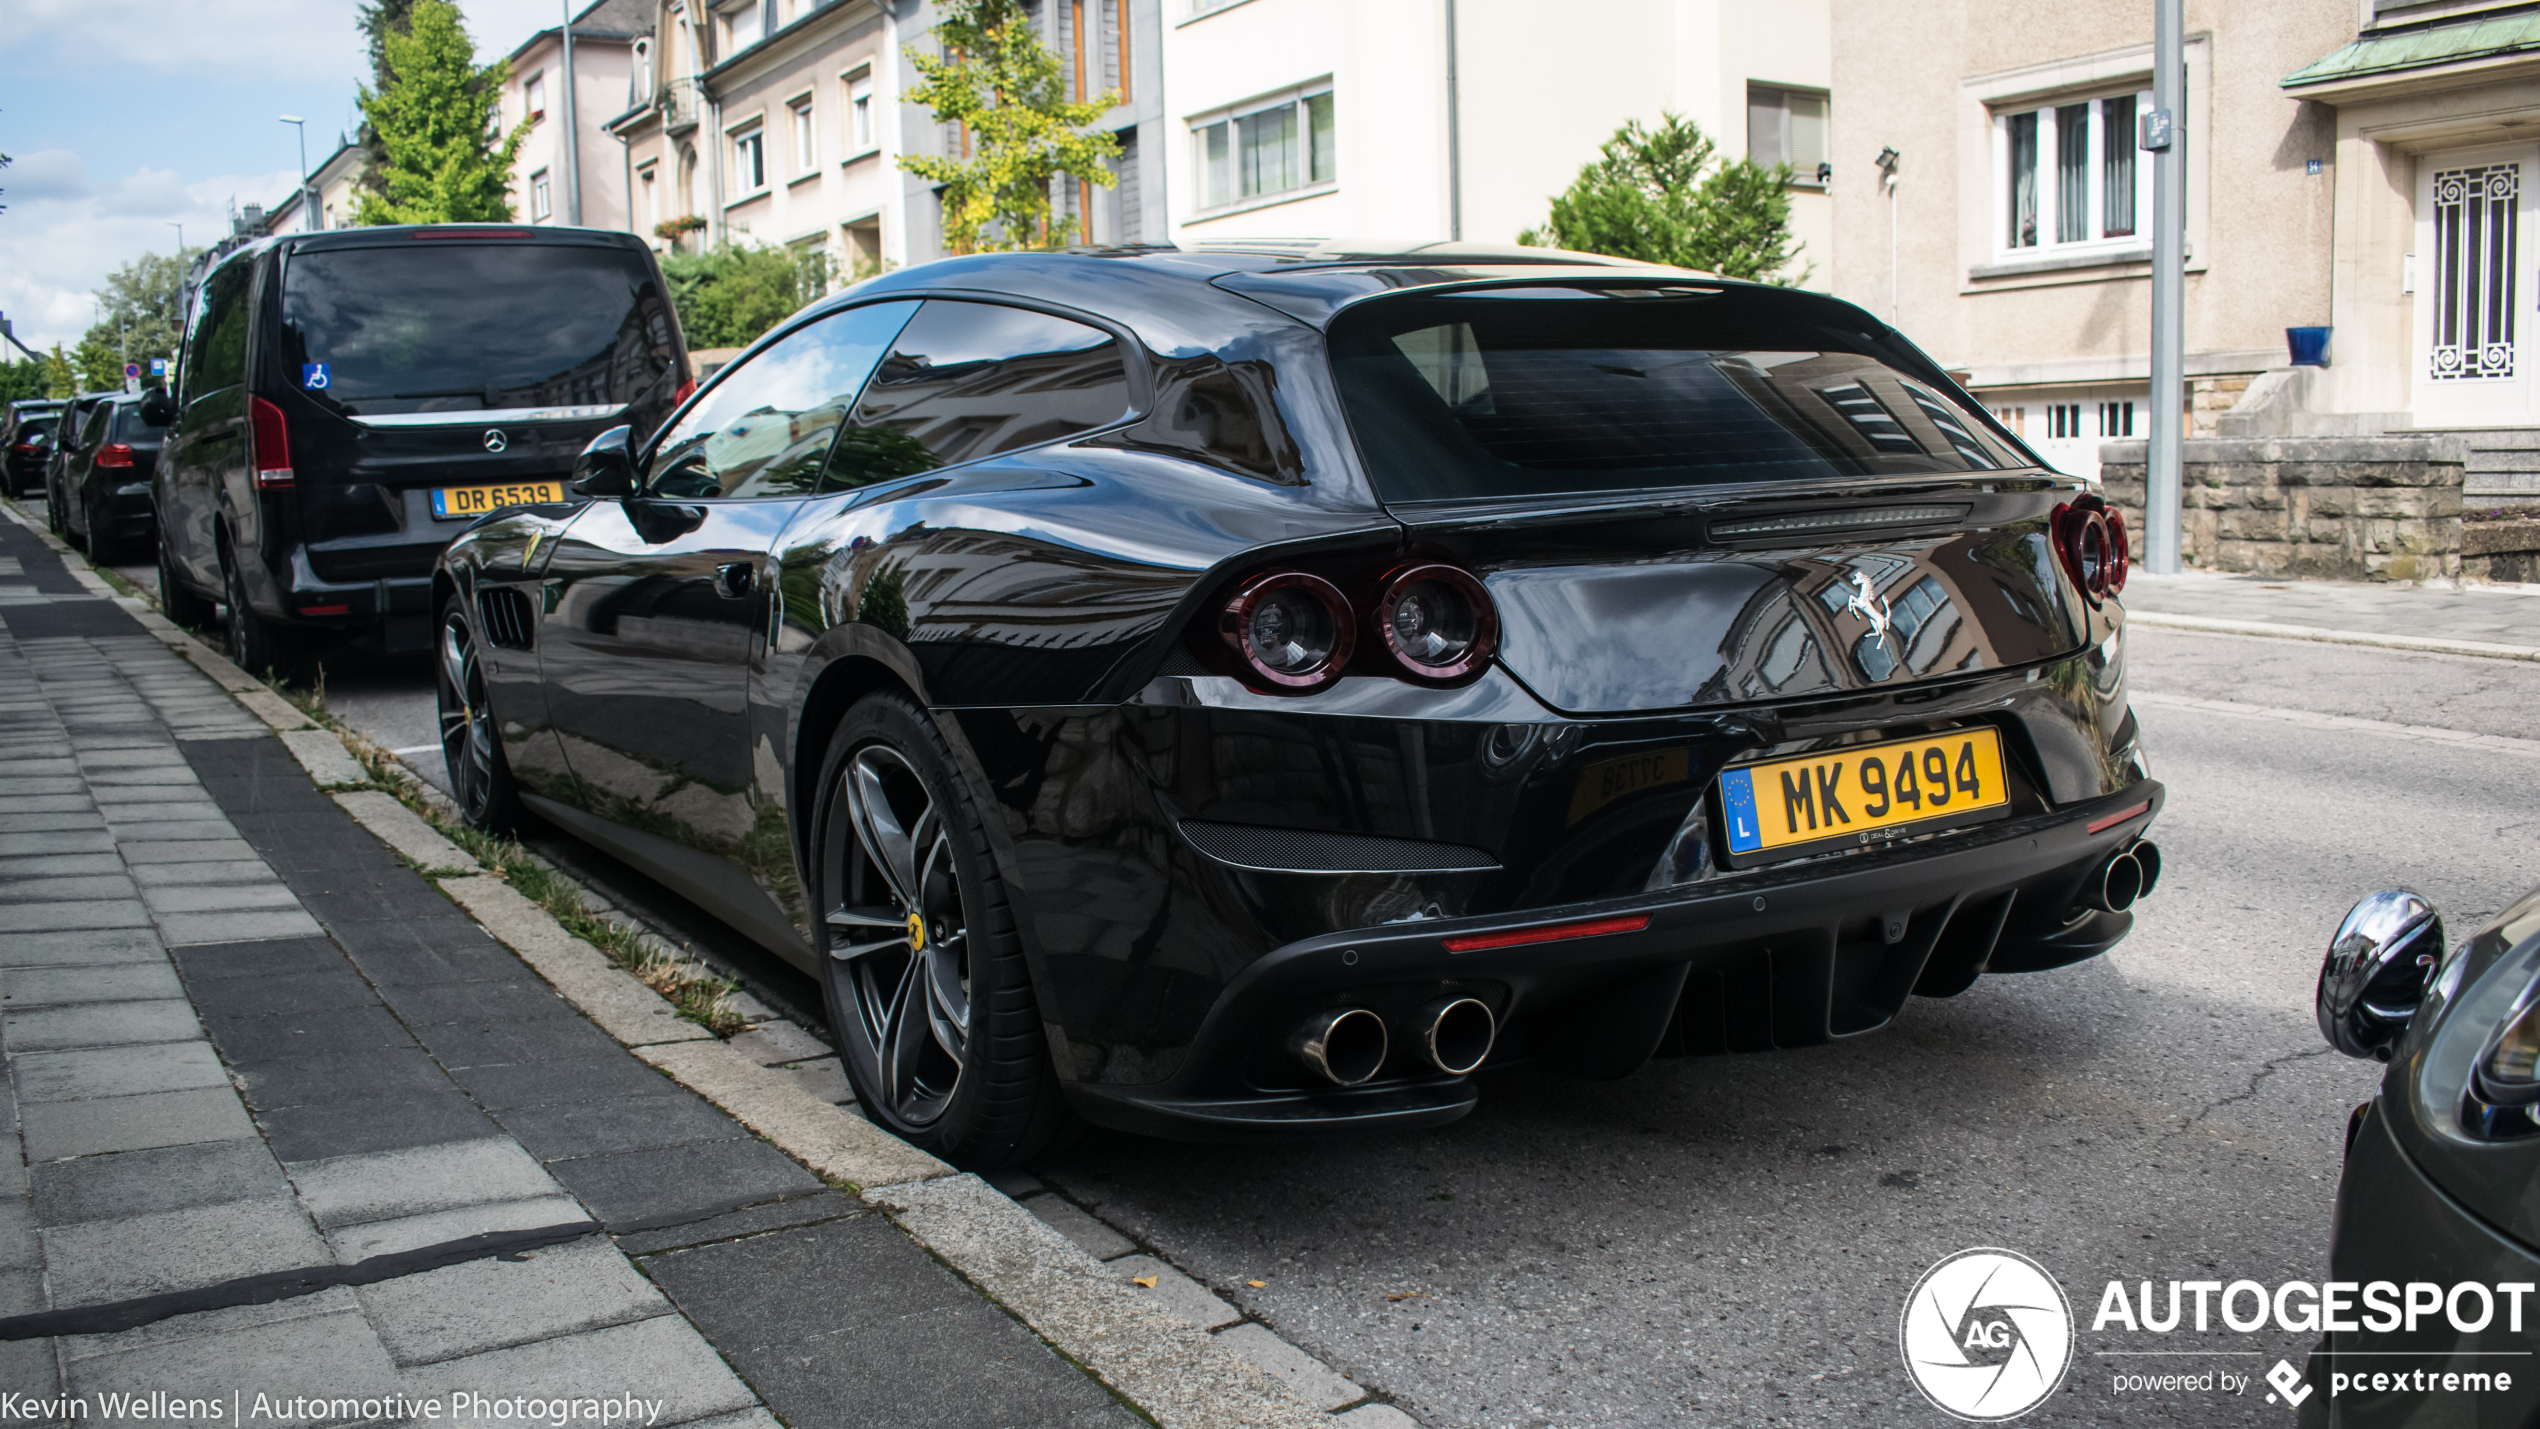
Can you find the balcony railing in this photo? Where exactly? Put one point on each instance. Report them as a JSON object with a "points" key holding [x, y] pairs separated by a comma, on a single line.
{"points": [[679, 103]]}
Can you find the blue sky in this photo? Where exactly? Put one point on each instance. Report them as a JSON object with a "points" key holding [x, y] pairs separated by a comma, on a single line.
{"points": [[124, 116]]}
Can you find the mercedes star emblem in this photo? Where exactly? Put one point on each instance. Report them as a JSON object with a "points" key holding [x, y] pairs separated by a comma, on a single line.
{"points": [[495, 440]]}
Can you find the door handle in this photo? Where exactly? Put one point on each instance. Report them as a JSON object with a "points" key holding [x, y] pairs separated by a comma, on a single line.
{"points": [[733, 579]]}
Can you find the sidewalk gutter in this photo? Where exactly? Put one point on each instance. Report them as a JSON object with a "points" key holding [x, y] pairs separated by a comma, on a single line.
{"points": [[2275, 631], [1179, 1373]]}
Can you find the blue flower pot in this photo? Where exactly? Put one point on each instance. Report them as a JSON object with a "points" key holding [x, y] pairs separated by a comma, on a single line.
{"points": [[2309, 345]]}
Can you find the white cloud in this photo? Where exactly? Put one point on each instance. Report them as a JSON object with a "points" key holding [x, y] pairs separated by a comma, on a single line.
{"points": [[48, 173], [281, 38], [55, 251]]}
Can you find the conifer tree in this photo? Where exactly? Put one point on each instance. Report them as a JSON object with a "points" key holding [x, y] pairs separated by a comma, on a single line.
{"points": [[442, 160], [1665, 196], [1001, 85]]}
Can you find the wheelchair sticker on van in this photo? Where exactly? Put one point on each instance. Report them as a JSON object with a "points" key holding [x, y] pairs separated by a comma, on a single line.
{"points": [[313, 376]]}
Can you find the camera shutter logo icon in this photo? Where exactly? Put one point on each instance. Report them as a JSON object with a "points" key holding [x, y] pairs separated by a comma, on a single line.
{"points": [[1987, 1334]]}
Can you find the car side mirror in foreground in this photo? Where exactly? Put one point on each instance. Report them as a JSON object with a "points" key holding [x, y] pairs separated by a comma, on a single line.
{"points": [[157, 408], [2377, 971], [607, 466]]}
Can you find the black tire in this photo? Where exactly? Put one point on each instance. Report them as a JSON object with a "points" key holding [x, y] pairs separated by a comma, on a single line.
{"points": [[256, 645], [176, 602], [480, 778], [53, 521], [102, 549], [974, 1083]]}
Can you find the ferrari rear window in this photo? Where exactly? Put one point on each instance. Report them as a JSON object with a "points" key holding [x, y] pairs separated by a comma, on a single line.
{"points": [[1517, 392]]}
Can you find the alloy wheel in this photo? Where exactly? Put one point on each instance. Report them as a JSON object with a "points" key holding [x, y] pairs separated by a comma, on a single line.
{"points": [[899, 942], [467, 720]]}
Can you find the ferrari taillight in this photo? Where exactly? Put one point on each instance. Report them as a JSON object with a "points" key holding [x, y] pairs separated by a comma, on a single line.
{"points": [[1291, 629], [1436, 621], [2091, 541], [1294, 632]]}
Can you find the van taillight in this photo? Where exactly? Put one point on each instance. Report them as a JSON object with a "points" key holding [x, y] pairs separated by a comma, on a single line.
{"points": [[114, 454], [268, 445]]}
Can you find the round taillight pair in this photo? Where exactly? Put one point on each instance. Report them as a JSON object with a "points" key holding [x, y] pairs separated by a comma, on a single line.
{"points": [[1296, 631], [2092, 541]]}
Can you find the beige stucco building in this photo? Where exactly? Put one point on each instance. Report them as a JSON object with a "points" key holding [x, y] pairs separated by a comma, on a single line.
{"points": [[569, 170], [1427, 119], [337, 184]]}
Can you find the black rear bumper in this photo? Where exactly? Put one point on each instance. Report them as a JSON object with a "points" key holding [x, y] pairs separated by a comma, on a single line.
{"points": [[1787, 957]]}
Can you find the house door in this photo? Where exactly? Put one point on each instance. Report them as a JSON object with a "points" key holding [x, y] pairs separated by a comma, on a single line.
{"points": [[2474, 283]]}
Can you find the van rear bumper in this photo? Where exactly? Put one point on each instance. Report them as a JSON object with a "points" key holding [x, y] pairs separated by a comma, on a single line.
{"points": [[396, 609]]}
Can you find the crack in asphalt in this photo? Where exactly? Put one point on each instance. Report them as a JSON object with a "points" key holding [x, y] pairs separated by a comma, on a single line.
{"points": [[2265, 1070]]}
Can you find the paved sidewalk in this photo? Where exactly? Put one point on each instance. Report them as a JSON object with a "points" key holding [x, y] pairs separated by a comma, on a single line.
{"points": [[293, 1124], [2506, 615]]}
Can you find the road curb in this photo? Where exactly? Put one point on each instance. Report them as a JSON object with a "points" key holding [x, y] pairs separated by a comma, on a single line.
{"points": [[2424, 733], [2212, 625], [1179, 1374]]}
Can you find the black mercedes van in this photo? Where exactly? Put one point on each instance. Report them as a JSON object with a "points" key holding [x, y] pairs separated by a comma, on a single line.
{"points": [[348, 401]]}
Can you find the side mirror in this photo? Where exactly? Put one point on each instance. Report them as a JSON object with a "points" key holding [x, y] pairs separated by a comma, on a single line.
{"points": [[157, 408], [2376, 972], [607, 466]]}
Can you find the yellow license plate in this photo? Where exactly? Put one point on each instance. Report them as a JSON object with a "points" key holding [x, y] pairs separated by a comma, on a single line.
{"points": [[450, 501], [1848, 797]]}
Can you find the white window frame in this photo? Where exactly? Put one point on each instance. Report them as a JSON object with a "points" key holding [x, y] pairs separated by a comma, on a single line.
{"points": [[863, 126], [2049, 115], [542, 196], [806, 134], [533, 95], [733, 44], [1801, 176], [748, 141], [1294, 98]]}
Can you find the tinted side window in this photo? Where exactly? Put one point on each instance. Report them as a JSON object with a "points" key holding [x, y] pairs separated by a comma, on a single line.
{"points": [[765, 429], [969, 380], [217, 356]]}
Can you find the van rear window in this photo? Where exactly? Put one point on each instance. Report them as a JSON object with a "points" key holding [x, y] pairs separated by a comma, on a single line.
{"points": [[464, 327], [1545, 391]]}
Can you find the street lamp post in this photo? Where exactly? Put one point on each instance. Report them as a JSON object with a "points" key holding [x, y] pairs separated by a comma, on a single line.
{"points": [[2162, 519], [310, 218]]}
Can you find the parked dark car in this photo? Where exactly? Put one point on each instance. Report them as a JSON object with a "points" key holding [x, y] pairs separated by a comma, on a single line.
{"points": [[2440, 1165], [1240, 693], [104, 495], [348, 401], [74, 419], [27, 436]]}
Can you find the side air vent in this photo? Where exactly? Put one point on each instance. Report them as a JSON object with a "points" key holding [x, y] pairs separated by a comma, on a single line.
{"points": [[1305, 851], [507, 619]]}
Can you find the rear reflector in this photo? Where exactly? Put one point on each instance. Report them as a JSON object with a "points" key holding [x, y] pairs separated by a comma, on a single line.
{"points": [[114, 454], [2119, 817], [268, 445], [1592, 928], [325, 609]]}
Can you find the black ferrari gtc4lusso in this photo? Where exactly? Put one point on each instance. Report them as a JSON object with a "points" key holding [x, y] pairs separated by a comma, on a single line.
{"points": [[1231, 692]]}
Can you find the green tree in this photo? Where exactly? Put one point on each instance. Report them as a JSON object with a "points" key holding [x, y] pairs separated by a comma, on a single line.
{"points": [[434, 118], [22, 380], [1666, 196], [99, 366], [380, 19], [60, 378], [1019, 131], [141, 311], [727, 296]]}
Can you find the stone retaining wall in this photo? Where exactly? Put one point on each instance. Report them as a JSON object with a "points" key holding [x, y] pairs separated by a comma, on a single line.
{"points": [[2350, 508]]}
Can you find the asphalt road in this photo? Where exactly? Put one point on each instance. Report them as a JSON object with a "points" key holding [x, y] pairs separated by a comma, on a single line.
{"points": [[1731, 1240]]}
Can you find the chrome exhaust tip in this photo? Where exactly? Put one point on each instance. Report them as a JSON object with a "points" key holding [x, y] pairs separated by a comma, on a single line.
{"points": [[2120, 883], [1342, 1045], [1456, 1034], [2147, 854]]}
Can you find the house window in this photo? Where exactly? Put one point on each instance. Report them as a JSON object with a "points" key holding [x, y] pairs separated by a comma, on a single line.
{"points": [[749, 159], [542, 201], [2063, 421], [533, 95], [2070, 175], [649, 176], [742, 28], [806, 153], [860, 111], [2116, 419], [1271, 147], [1787, 126]]}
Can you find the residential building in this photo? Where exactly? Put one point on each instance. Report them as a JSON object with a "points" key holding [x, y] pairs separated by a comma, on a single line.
{"points": [[1461, 119], [783, 122], [337, 183], [569, 169]]}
